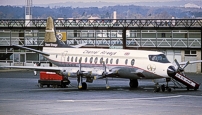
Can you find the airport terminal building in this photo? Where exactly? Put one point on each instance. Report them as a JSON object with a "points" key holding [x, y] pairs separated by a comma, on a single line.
{"points": [[178, 38]]}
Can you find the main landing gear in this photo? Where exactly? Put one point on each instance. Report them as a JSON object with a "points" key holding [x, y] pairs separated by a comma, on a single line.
{"points": [[133, 83], [81, 85]]}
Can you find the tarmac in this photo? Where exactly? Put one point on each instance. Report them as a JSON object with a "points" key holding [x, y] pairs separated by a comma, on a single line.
{"points": [[20, 95]]}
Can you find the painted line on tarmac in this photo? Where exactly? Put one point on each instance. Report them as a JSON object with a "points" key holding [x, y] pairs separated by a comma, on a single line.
{"points": [[108, 100], [102, 100], [164, 97]]}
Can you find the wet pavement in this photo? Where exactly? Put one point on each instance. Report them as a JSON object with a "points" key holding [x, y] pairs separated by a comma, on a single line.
{"points": [[20, 95]]}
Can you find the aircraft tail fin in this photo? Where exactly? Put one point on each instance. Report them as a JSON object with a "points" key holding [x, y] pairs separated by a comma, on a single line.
{"points": [[50, 31], [53, 39]]}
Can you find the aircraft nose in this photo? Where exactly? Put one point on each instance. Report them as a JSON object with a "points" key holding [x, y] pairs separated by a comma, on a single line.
{"points": [[171, 71]]}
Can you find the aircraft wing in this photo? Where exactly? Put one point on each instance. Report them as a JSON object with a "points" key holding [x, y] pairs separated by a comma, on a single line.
{"points": [[139, 73], [115, 72], [190, 62], [68, 71], [79, 45], [36, 68]]}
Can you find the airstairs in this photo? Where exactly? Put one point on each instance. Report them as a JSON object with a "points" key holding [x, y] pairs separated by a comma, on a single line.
{"points": [[181, 78]]}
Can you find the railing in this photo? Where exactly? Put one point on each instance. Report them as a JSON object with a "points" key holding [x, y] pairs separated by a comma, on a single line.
{"points": [[32, 41], [140, 42], [102, 23], [171, 38]]}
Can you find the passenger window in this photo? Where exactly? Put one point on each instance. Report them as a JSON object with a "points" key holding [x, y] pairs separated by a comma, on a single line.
{"points": [[68, 58], [80, 60], [86, 59], [132, 62], [96, 60], [111, 61], [126, 62], [101, 60], [107, 61], [117, 61], [91, 59], [76, 59], [72, 59]]}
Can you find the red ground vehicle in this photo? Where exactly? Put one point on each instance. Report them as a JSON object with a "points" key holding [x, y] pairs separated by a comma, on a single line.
{"points": [[52, 79]]}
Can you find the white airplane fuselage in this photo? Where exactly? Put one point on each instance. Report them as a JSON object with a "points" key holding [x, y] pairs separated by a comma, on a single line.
{"points": [[129, 63]]}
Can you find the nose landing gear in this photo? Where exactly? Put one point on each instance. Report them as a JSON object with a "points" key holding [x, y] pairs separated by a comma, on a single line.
{"points": [[163, 87]]}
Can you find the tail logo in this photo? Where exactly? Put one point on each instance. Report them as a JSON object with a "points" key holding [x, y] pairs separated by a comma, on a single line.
{"points": [[59, 36]]}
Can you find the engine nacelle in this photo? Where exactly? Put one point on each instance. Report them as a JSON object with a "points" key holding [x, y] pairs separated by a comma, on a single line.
{"points": [[84, 73], [65, 73], [87, 73]]}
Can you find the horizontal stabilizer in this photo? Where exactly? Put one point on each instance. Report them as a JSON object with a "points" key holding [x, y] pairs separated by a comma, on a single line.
{"points": [[79, 45], [34, 50]]}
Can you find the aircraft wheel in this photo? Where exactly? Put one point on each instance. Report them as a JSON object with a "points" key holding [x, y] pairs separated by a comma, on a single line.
{"points": [[163, 88], [68, 82], [84, 86], [41, 85], [133, 83], [63, 86], [169, 89], [54, 86], [157, 89]]}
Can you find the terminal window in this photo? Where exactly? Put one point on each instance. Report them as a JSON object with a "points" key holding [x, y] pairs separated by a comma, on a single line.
{"points": [[190, 52], [163, 35]]}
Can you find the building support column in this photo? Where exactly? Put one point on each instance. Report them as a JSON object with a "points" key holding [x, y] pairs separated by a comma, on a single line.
{"points": [[10, 37], [201, 50], [124, 38]]}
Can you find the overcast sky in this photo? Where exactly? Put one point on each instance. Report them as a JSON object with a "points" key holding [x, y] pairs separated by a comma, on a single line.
{"points": [[22, 2]]}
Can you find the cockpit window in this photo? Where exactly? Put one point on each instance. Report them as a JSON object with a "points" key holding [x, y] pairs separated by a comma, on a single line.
{"points": [[159, 58]]}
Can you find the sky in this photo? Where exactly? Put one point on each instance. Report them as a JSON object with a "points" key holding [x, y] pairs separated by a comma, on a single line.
{"points": [[35, 2]]}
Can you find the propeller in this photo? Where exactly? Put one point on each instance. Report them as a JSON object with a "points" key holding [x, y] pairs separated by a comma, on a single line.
{"points": [[105, 69], [172, 71], [179, 68], [105, 73], [79, 75]]}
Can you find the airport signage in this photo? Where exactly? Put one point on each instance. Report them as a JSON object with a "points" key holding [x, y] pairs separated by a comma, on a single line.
{"points": [[116, 47]]}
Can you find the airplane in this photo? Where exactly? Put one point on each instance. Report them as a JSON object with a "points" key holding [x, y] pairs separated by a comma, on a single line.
{"points": [[91, 64]]}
